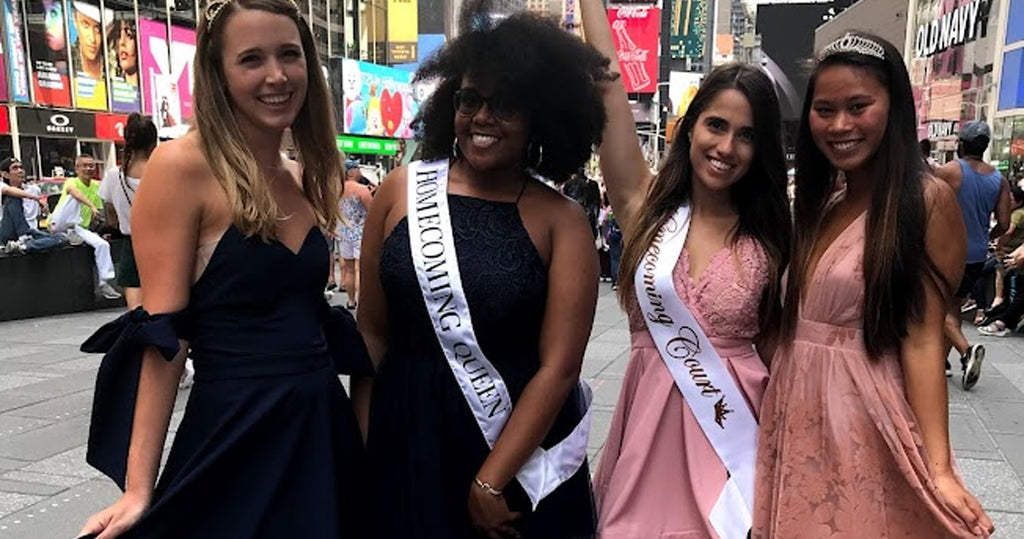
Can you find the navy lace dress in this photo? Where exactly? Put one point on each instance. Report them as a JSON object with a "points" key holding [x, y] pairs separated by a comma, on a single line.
{"points": [[268, 446], [424, 445]]}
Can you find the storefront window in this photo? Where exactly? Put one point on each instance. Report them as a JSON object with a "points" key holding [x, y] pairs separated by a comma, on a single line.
{"points": [[29, 157], [6, 145], [57, 156], [1017, 148]]}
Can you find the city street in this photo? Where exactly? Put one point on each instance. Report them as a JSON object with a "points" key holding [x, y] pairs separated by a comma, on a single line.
{"points": [[47, 490]]}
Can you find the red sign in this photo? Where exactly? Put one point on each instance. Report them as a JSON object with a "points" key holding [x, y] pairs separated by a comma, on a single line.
{"points": [[635, 31], [111, 127], [5, 120], [1017, 146]]}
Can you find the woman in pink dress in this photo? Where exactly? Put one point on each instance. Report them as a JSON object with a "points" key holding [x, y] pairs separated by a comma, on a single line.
{"points": [[854, 438], [659, 476]]}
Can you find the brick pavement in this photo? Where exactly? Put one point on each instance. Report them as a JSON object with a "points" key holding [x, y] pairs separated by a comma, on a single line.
{"points": [[47, 490]]}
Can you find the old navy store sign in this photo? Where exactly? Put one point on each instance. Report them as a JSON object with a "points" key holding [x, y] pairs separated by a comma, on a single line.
{"points": [[952, 29], [56, 123]]}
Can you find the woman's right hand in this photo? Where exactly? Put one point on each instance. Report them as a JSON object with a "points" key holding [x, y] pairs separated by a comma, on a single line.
{"points": [[118, 518]]}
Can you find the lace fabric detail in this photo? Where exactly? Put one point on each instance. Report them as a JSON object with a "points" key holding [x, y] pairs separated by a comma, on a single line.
{"points": [[840, 452], [726, 296]]}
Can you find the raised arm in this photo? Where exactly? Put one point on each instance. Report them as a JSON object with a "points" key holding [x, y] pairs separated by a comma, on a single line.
{"points": [[9, 191], [625, 171], [166, 260], [923, 350]]}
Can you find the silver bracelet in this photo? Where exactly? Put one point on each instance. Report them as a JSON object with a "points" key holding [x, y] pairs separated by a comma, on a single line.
{"points": [[486, 487]]}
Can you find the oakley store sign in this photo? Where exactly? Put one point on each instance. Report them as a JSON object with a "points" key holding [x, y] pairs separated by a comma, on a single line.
{"points": [[54, 123], [960, 25]]}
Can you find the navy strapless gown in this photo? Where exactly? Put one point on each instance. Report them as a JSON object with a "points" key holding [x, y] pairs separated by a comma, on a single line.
{"points": [[268, 446]]}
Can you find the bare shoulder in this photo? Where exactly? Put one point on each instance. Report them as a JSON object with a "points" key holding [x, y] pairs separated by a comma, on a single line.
{"points": [[393, 185], [559, 209], [180, 161], [939, 196], [949, 172]]}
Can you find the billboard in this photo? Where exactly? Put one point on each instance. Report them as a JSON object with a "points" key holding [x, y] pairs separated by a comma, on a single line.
{"points": [[85, 34], [687, 28], [123, 61], [682, 88], [378, 100], [15, 45], [183, 53], [48, 50], [403, 33], [3, 67], [14, 42], [167, 70], [635, 31]]}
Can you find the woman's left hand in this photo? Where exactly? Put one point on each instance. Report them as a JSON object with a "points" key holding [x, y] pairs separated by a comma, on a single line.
{"points": [[490, 514], [963, 504]]}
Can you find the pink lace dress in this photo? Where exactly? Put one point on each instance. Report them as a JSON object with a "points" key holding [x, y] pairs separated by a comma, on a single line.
{"points": [[658, 476], [840, 454]]}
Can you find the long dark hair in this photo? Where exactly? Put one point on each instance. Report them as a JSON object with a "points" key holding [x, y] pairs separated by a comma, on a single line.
{"points": [[140, 136], [759, 196], [893, 266]]}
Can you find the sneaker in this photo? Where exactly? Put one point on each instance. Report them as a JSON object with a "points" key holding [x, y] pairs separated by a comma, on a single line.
{"points": [[949, 370], [328, 295], [995, 329], [972, 365], [187, 375], [75, 239], [108, 291], [968, 305]]}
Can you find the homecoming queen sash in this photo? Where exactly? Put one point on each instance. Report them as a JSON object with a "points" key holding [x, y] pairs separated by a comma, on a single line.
{"points": [[437, 269], [701, 376]]}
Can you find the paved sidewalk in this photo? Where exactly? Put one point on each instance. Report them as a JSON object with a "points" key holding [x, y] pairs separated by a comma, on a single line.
{"points": [[47, 490]]}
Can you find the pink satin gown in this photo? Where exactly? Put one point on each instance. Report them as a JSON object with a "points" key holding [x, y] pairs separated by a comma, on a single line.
{"points": [[658, 476]]}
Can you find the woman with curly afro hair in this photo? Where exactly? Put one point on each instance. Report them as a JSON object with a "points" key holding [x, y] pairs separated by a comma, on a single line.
{"points": [[487, 437]]}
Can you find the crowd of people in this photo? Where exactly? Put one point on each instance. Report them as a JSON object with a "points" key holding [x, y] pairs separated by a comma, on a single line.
{"points": [[784, 380]]}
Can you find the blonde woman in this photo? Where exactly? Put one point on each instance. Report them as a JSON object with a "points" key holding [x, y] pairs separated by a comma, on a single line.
{"points": [[228, 240]]}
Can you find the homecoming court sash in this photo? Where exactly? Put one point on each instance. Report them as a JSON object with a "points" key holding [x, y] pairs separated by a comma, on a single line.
{"points": [[437, 269], [701, 376]]}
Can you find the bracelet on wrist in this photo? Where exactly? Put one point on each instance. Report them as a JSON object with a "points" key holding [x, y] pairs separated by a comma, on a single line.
{"points": [[486, 487]]}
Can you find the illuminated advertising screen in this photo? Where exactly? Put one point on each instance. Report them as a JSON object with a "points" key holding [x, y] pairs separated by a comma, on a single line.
{"points": [[85, 35], [48, 50]]}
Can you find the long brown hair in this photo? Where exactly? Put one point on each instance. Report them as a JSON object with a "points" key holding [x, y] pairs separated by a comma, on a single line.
{"points": [[225, 149], [896, 219], [759, 196]]}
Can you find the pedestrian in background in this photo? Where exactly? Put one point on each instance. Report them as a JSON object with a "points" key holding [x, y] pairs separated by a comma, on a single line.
{"points": [[118, 192], [355, 203], [855, 436]]}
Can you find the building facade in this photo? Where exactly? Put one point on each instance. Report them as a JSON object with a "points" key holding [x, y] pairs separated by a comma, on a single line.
{"points": [[1008, 123], [72, 70]]}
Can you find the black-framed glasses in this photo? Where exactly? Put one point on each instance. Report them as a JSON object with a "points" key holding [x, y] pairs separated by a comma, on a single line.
{"points": [[469, 101]]}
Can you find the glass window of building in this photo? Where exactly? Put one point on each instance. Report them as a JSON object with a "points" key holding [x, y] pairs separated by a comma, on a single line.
{"points": [[320, 22], [57, 156], [373, 31]]}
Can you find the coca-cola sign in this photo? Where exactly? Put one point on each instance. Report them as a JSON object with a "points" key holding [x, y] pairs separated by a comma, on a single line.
{"points": [[635, 32]]}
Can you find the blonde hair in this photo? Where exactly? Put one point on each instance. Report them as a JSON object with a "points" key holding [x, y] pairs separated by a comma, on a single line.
{"points": [[254, 210]]}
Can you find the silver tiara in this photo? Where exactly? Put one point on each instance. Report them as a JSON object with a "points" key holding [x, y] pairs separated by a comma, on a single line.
{"points": [[214, 7], [854, 43]]}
